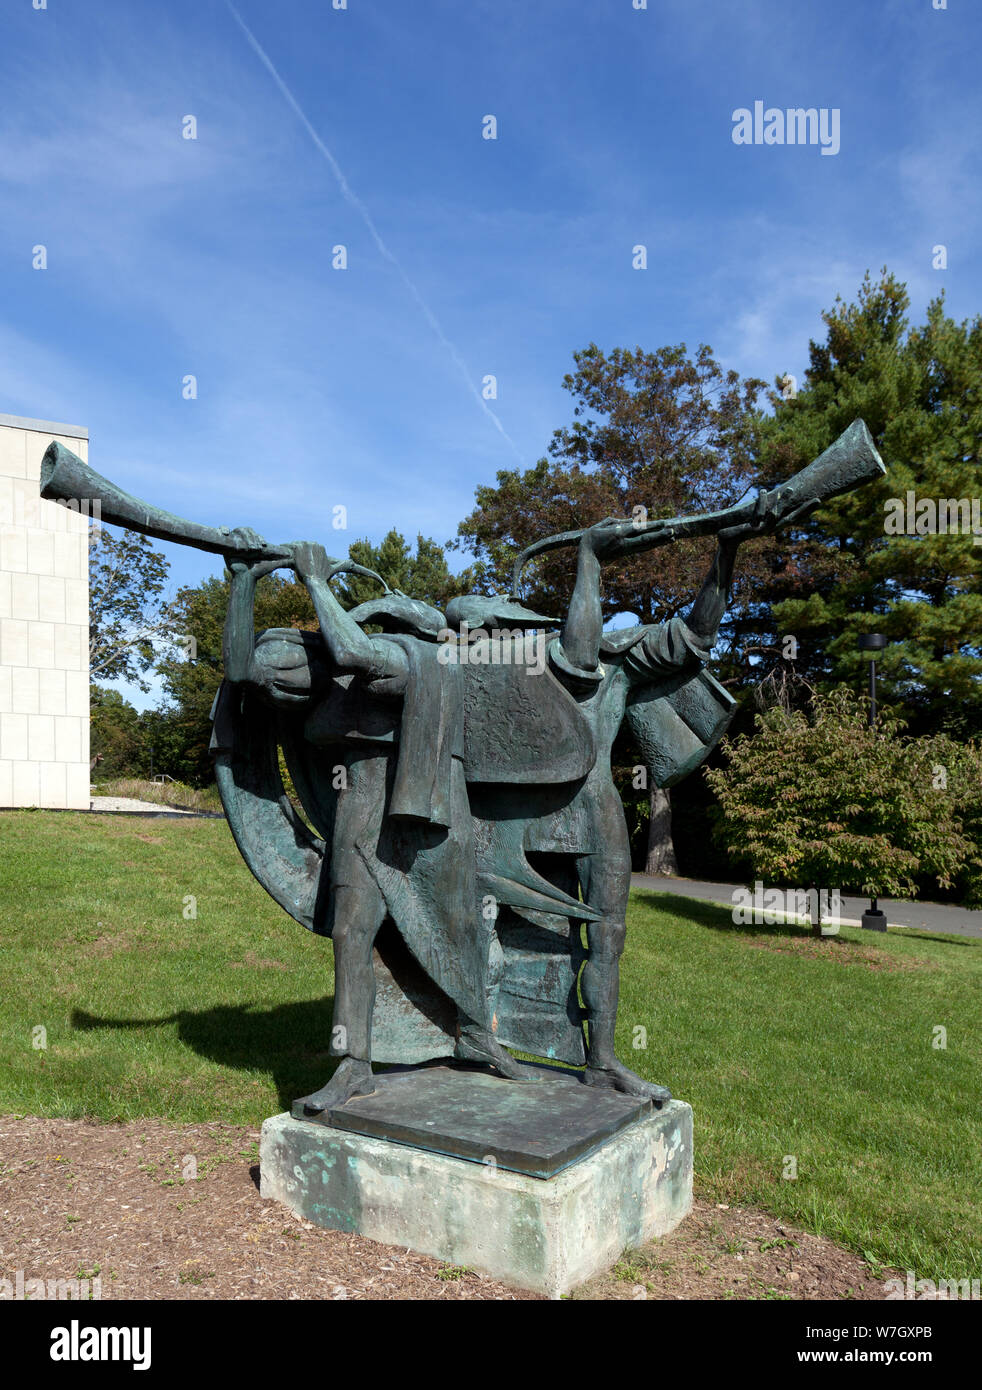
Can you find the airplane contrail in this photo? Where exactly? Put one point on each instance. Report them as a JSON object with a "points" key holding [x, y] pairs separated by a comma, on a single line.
{"points": [[352, 198]]}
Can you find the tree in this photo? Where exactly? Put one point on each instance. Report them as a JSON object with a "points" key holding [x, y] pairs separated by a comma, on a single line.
{"points": [[114, 734], [425, 575], [956, 767], [659, 431], [128, 621], [852, 567], [822, 800]]}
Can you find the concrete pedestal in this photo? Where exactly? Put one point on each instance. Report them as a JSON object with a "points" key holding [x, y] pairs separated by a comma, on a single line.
{"points": [[546, 1234]]}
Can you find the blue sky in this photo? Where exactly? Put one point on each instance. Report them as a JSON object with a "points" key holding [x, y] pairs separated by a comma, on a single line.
{"points": [[466, 257]]}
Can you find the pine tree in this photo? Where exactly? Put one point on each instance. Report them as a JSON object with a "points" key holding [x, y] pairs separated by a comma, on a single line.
{"points": [[848, 570]]}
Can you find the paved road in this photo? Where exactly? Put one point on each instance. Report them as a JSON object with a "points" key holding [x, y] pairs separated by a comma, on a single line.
{"points": [[932, 917]]}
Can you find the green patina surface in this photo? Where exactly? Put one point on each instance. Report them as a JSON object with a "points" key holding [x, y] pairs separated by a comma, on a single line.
{"points": [[456, 825], [538, 1126]]}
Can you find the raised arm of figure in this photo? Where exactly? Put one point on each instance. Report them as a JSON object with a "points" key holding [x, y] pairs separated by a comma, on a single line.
{"points": [[239, 633], [350, 648], [583, 628], [711, 602]]}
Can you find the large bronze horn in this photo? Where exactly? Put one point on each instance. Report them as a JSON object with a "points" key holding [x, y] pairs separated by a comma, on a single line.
{"points": [[847, 463], [65, 478]]}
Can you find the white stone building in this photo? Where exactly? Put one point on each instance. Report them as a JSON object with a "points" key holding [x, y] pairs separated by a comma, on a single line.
{"points": [[44, 626]]}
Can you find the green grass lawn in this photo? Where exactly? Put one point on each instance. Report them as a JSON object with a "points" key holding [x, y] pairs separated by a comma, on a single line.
{"points": [[820, 1052]]}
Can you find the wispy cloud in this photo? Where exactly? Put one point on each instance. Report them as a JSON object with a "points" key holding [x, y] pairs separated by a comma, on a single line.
{"points": [[354, 201]]}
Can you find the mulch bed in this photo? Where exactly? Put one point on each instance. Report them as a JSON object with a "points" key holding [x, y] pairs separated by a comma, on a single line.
{"points": [[165, 1211], [723, 1252]]}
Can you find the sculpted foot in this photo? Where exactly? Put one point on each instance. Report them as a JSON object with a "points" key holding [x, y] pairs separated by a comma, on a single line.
{"points": [[352, 1078], [614, 1076], [478, 1045]]}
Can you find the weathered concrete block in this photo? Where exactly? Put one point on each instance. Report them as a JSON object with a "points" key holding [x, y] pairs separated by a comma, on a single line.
{"points": [[544, 1234]]}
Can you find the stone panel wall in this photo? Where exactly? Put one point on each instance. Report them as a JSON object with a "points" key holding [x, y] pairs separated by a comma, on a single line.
{"points": [[44, 627]]}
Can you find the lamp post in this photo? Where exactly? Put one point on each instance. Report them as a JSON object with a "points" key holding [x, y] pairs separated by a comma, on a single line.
{"points": [[873, 643]]}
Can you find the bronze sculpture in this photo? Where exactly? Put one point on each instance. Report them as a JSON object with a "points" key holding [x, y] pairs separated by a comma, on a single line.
{"points": [[458, 822]]}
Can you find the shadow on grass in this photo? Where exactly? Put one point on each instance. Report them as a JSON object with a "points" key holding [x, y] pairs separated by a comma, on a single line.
{"points": [[715, 916], [288, 1041], [718, 917]]}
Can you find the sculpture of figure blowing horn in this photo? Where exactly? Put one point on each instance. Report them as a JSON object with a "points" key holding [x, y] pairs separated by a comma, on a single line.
{"points": [[460, 821]]}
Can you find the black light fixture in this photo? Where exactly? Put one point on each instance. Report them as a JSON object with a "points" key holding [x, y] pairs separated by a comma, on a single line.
{"points": [[873, 643]]}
